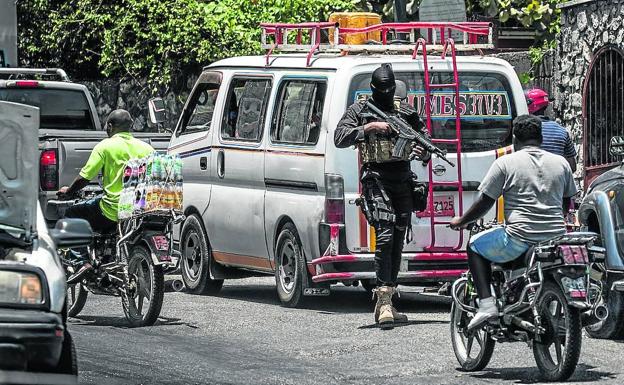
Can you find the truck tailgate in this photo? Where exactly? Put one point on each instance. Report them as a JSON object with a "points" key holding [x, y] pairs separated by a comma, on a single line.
{"points": [[73, 150]]}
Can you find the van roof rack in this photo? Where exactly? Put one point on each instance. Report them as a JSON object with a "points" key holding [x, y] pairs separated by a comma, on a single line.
{"points": [[35, 71], [476, 36]]}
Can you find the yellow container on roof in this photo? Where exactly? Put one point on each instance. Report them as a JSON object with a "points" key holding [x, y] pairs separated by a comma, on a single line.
{"points": [[355, 20]]}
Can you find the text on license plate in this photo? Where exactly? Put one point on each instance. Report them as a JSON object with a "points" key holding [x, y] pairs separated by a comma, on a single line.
{"points": [[443, 206]]}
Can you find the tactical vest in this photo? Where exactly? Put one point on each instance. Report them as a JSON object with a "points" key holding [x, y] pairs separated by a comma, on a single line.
{"points": [[377, 148]]}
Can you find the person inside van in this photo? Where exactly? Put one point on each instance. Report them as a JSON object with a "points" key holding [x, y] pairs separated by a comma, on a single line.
{"points": [[537, 187], [108, 157], [387, 200]]}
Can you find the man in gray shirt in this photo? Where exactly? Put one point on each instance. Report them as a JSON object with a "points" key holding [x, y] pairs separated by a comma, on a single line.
{"points": [[536, 187]]}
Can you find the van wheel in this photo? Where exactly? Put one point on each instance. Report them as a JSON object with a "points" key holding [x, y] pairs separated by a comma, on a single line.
{"points": [[196, 255], [290, 267]]}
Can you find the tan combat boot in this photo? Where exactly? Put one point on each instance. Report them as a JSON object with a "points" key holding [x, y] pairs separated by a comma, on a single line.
{"points": [[397, 317], [383, 308]]}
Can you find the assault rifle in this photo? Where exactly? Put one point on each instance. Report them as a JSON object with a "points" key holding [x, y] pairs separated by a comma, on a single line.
{"points": [[407, 134]]}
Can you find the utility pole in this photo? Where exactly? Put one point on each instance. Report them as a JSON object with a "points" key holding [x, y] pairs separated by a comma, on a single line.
{"points": [[8, 33], [400, 12]]}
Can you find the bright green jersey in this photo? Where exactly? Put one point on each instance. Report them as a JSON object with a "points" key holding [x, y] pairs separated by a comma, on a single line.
{"points": [[110, 156]]}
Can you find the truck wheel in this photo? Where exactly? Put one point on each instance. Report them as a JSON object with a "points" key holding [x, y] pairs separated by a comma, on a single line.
{"points": [[613, 326], [68, 363], [196, 255], [290, 267]]}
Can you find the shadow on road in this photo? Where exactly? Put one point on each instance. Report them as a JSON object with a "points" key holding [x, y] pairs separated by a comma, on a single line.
{"points": [[120, 322], [584, 373], [342, 300], [409, 323]]}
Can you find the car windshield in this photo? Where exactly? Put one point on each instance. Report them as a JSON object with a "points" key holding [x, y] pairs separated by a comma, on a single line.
{"points": [[485, 103], [59, 109]]}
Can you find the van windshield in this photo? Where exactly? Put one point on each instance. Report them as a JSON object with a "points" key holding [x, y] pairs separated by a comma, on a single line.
{"points": [[485, 103], [59, 109]]}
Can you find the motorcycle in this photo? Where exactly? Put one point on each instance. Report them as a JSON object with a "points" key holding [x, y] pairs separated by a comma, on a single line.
{"points": [[544, 298], [128, 263]]}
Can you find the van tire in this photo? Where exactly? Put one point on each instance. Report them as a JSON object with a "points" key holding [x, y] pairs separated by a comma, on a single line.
{"points": [[290, 275], [195, 263]]}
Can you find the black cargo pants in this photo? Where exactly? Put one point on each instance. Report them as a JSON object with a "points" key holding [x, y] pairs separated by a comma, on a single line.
{"points": [[389, 204]]}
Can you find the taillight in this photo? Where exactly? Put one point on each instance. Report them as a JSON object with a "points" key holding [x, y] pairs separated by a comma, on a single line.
{"points": [[48, 170], [23, 84], [334, 199]]}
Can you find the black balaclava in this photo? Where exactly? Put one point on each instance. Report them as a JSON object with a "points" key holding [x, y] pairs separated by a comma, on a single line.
{"points": [[383, 86]]}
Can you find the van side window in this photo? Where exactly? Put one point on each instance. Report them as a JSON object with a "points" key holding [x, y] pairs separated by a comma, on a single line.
{"points": [[299, 112], [245, 109], [201, 106]]}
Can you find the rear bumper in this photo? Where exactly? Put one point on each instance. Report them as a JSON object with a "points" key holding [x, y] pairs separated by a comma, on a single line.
{"points": [[416, 268], [30, 339]]}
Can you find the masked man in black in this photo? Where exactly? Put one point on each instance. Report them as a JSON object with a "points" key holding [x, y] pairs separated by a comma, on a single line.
{"points": [[387, 182]]}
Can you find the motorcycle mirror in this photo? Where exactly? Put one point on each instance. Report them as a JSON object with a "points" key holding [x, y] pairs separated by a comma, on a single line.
{"points": [[616, 146]]}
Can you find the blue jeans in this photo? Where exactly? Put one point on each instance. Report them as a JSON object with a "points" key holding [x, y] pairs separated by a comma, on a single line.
{"points": [[497, 246], [91, 212]]}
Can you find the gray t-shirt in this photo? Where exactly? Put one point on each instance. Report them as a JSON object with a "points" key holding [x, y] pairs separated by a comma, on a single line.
{"points": [[533, 184]]}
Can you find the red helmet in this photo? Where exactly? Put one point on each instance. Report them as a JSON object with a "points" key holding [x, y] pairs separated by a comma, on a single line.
{"points": [[536, 99]]}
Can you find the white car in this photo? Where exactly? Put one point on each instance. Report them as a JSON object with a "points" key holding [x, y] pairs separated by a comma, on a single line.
{"points": [[33, 315]]}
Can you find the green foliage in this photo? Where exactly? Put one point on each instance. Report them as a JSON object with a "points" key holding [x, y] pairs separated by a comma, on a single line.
{"points": [[153, 39], [542, 15]]}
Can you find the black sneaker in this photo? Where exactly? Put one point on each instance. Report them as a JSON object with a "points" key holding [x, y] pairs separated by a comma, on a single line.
{"points": [[77, 276]]}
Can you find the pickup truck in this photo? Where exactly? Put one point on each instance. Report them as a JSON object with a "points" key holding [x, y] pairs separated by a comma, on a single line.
{"points": [[69, 128]]}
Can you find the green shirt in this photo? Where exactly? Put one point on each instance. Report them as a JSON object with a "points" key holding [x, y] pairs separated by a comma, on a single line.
{"points": [[110, 156]]}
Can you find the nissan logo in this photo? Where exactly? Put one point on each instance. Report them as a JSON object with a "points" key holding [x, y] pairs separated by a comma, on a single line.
{"points": [[438, 169]]}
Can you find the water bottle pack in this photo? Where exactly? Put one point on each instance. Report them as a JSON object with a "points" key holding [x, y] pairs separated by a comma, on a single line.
{"points": [[150, 184]]}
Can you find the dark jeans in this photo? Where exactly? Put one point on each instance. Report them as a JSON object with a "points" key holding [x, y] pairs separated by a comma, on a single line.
{"points": [[91, 212], [392, 196]]}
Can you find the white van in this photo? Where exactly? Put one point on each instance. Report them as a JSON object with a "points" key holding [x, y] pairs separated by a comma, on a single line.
{"points": [[267, 191]]}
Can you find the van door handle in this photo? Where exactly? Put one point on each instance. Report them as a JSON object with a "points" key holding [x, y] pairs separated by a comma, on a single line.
{"points": [[203, 163], [221, 164]]}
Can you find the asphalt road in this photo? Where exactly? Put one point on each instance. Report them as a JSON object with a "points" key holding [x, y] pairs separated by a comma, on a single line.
{"points": [[244, 336]]}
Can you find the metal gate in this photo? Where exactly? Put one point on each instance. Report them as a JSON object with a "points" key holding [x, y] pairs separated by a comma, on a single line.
{"points": [[603, 105]]}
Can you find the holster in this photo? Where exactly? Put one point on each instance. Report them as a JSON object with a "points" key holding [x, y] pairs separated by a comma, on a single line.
{"points": [[378, 207], [420, 192]]}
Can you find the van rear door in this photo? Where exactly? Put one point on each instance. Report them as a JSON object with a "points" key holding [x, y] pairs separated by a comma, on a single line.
{"points": [[487, 110]]}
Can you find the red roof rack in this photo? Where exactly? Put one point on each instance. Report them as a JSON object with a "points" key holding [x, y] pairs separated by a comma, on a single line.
{"points": [[476, 36]]}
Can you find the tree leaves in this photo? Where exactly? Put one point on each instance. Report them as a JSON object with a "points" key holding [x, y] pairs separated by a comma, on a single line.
{"points": [[153, 39]]}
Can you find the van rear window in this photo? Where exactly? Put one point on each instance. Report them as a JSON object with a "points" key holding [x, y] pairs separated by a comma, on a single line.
{"points": [[59, 109], [485, 102]]}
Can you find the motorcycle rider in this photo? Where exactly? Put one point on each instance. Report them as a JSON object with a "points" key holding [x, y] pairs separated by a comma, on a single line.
{"points": [[556, 138], [536, 187], [110, 157], [386, 183]]}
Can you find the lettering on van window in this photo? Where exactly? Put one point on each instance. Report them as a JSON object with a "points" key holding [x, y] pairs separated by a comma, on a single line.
{"points": [[472, 104]]}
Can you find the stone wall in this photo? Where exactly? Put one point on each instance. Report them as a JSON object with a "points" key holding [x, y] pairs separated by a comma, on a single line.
{"points": [[585, 28], [133, 95]]}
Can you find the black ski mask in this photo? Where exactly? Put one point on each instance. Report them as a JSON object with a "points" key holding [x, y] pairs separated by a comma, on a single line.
{"points": [[383, 86]]}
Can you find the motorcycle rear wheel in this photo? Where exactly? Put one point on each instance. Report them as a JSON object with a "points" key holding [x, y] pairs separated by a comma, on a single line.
{"points": [[76, 299], [563, 335], [464, 342], [146, 282]]}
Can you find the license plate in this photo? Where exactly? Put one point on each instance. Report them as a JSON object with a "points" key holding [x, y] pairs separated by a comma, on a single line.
{"points": [[443, 206]]}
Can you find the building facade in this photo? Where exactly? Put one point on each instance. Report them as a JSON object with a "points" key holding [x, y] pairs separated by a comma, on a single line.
{"points": [[588, 79]]}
